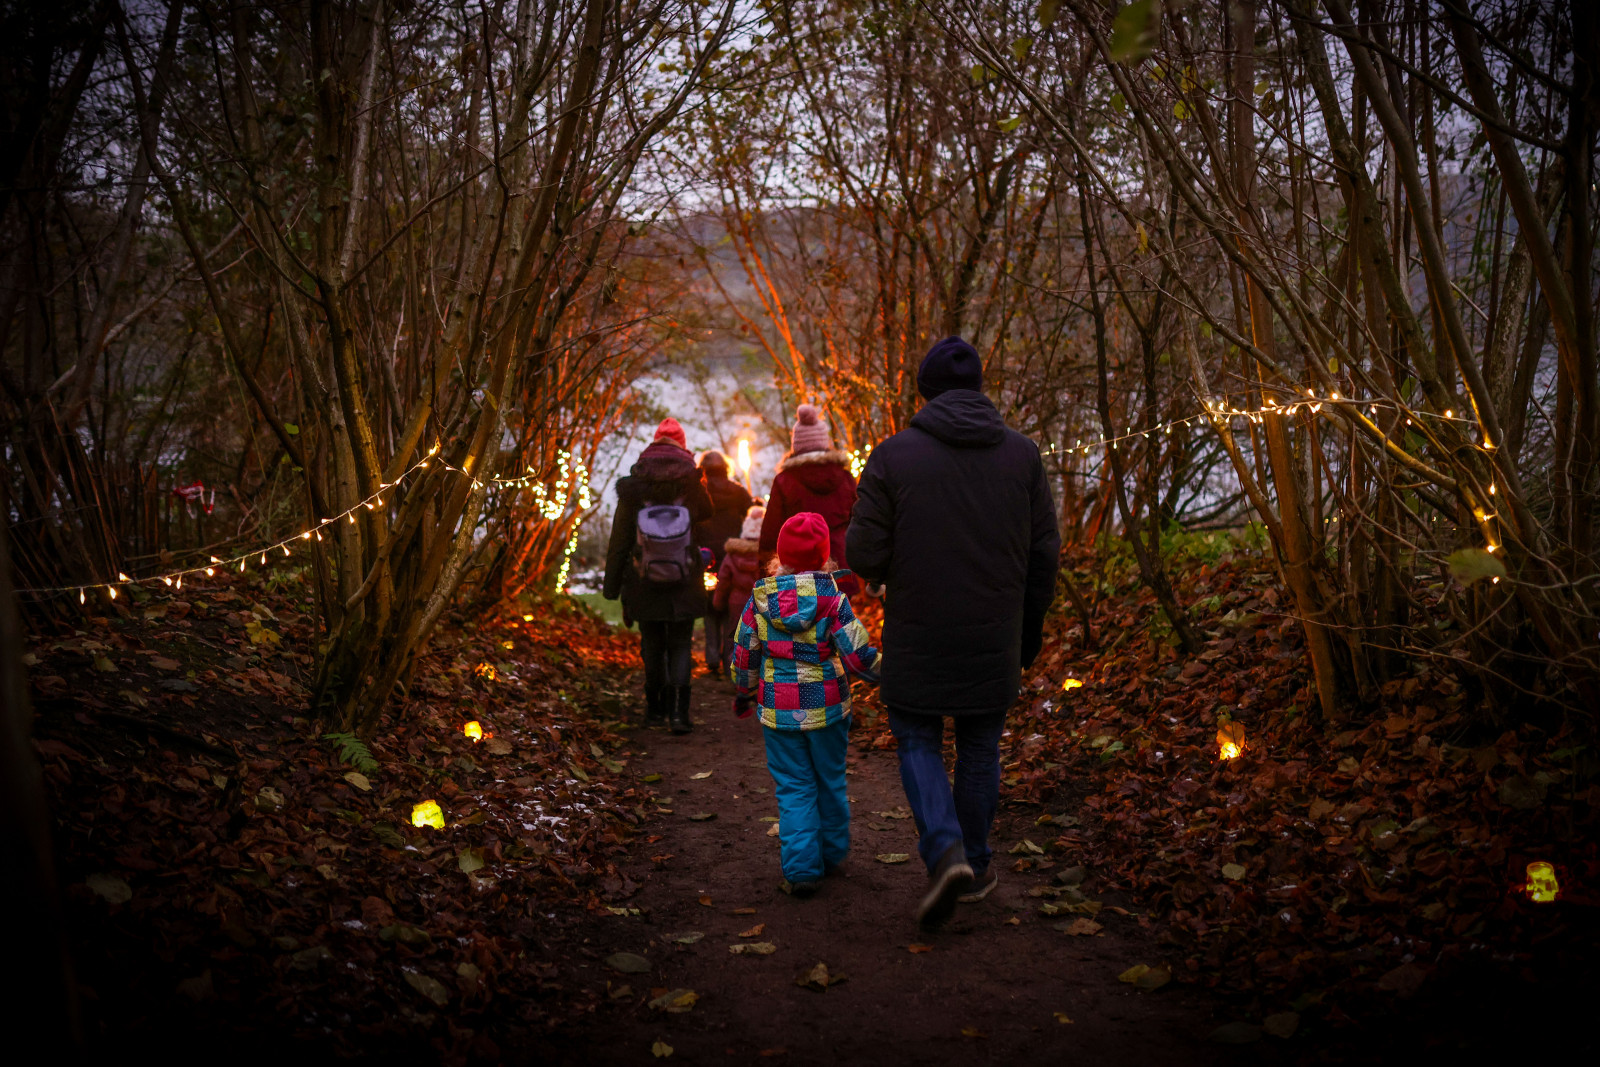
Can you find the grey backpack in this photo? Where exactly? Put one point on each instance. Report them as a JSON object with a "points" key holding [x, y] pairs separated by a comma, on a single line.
{"points": [[666, 553]]}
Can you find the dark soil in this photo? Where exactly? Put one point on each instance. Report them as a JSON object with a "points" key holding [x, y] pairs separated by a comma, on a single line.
{"points": [[997, 984], [230, 887]]}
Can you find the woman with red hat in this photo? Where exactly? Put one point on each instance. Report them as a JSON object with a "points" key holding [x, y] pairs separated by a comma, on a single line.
{"points": [[812, 476], [654, 564]]}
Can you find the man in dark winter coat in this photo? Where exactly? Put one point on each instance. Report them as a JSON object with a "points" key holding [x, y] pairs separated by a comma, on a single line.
{"points": [[955, 519], [664, 474], [729, 502]]}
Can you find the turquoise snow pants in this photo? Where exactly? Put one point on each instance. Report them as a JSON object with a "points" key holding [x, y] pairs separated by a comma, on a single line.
{"points": [[813, 805]]}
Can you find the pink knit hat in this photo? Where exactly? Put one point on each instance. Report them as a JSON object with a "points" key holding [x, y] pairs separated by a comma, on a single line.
{"points": [[669, 430], [751, 531], [810, 432]]}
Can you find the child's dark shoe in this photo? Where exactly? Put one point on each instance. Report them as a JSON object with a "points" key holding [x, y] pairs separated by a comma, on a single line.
{"points": [[802, 890]]}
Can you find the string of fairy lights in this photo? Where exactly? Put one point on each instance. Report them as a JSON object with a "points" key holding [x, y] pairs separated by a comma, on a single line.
{"points": [[572, 488]]}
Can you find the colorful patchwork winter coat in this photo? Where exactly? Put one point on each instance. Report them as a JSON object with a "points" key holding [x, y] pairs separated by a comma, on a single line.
{"points": [[797, 638]]}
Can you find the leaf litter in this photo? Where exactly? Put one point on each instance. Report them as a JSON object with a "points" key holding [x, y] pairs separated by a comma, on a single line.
{"points": [[206, 812], [1311, 868]]}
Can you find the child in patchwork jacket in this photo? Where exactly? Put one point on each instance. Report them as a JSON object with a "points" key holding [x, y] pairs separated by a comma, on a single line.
{"points": [[740, 570], [797, 639]]}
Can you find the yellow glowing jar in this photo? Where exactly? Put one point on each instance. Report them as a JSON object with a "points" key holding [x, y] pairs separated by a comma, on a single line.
{"points": [[1230, 740], [427, 813], [1542, 886], [1071, 684], [473, 730]]}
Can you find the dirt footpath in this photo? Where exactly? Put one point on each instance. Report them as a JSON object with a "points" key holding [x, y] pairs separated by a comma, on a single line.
{"points": [[997, 984]]}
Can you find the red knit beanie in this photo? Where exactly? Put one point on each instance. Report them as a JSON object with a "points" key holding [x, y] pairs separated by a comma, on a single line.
{"points": [[669, 430], [803, 542]]}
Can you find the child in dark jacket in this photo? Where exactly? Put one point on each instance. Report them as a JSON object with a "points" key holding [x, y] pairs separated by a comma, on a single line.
{"points": [[797, 639], [740, 570]]}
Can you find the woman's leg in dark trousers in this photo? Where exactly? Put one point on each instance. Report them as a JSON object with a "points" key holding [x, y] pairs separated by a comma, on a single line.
{"points": [[678, 639], [653, 652]]}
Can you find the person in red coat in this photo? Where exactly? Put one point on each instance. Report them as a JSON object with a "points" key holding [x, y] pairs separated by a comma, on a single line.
{"points": [[738, 574], [812, 476]]}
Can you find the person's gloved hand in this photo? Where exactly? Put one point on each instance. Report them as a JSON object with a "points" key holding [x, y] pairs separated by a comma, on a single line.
{"points": [[743, 706], [1032, 642], [875, 590]]}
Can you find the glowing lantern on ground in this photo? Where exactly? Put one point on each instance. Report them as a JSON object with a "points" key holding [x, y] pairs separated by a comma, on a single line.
{"points": [[1542, 886], [473, 730], [1071, 684], [527, 618], [1230, 740], [485, 671], [427, 813]]}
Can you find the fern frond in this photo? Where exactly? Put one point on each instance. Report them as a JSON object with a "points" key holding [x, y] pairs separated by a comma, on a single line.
{"points": [[354, 751]]}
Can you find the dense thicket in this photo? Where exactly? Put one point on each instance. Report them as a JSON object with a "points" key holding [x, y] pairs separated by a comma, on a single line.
{"points": [[1335, 266], [369, 268], [1328, 268]]}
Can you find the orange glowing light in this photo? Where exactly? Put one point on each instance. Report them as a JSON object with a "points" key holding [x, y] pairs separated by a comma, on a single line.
{"points": [[486, 671], [1070, 684], [709, 580], [744, 456], [1230, 740], [1542, 887], [427, 813], [527, 618], [473, 730]]}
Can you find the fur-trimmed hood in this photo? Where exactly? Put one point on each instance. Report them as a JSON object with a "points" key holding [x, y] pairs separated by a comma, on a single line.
{"points": [[741, 545], [803, 459]]}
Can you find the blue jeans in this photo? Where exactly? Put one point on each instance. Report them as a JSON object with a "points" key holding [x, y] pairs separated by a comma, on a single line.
{"points": [[813, 805], [966, 816]]}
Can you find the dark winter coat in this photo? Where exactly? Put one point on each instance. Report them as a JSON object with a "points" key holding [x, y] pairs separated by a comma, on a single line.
{"points": [[812, 481], [738, 574], [955, 517], [729, 502], [663, 474]]}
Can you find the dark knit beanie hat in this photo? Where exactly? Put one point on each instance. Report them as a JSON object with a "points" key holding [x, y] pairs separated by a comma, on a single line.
{"points": [[949, 364]]}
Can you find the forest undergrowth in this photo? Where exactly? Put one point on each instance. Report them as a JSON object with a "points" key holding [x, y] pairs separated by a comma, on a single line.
{"points": [[1363, 872], [231, 869]]}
